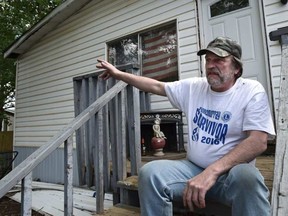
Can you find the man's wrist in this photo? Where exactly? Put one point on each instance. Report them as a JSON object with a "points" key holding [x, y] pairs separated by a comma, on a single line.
{"points": [[216, 169]]}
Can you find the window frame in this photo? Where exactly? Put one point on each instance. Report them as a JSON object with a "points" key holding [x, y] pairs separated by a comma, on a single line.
{"points": [[140, 43], [227, 12]]}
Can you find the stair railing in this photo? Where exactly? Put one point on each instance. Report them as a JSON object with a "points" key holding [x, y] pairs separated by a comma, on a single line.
{"points": [[23, 172]]}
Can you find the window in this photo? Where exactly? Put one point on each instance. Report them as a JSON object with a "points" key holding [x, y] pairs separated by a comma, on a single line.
{"points": [[155, 50], [225, 6]]}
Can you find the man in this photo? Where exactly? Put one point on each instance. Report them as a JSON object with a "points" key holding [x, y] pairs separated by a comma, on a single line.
{"points": [[229, 122]]}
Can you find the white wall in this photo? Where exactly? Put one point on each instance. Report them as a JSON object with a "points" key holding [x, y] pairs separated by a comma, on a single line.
{"points": [[276, 16], [44, 76]]}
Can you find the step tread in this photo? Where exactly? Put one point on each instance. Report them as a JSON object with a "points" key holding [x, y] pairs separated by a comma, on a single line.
{"points": [[130, 183], [121, 210]]}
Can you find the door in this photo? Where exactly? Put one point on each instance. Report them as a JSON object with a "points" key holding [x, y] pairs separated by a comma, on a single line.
{"points": [[239, 20]]}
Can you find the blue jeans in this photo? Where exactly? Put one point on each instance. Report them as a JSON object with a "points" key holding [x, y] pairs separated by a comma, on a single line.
{"points": [[162, 182]]}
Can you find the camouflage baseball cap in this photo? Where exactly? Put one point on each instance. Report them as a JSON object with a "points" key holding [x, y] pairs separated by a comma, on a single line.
{"points": [[223, 47]]}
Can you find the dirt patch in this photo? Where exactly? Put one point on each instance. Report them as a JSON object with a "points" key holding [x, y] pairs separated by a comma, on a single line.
{"points": [[9, 207]]}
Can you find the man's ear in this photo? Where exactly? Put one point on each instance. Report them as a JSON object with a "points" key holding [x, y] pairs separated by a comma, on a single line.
{"points": [[238, 72]]}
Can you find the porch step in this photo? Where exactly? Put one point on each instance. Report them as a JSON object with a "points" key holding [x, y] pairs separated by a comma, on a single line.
{"points": [[129, 191], [129, 188], [121, 210], [130, 183], [266, 166]]}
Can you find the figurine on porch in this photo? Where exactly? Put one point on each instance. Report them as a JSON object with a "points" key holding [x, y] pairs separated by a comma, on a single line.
{"points": [[158, 141]]}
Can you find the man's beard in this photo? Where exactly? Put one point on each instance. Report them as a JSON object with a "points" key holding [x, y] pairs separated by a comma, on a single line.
{"points": [[215, 78]]}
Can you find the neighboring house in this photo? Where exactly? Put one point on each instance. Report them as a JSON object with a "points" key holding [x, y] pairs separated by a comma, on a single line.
{"points": [[9, 124], [67, 42]]}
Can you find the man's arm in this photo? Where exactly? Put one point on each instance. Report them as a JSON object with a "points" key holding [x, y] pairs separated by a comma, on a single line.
{"points": [[143, 83], [246, 151]]}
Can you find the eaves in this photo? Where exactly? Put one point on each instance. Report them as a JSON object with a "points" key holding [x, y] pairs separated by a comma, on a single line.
{"points": [[44, 26]]}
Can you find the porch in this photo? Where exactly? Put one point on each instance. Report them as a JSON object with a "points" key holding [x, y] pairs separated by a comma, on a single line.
{"points": [[107, 127], [9, 206]]}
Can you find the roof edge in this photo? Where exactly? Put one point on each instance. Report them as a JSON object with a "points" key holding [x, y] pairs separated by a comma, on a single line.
{"points": [[36, 32]]}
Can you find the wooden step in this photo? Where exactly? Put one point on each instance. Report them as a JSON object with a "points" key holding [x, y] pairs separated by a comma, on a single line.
{"points": [[130, 195], [129, 188], [264, 163], [130, 183], [266, 166], [121, 210], [129, 191]]}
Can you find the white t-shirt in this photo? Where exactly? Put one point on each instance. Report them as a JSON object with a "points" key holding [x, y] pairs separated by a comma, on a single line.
{"points": [[217, 121]]}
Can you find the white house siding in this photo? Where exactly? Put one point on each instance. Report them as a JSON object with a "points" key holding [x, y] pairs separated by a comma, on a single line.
{"points": [[44, 76], [276, 16]]}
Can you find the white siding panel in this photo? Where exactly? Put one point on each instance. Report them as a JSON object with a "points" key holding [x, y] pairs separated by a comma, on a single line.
{"points": [[278, 19], [65, 104], [193, 66], [187, 24], [274, 48], [275, 61], [188, 42], [187, 33], [45, 101], [51, 169], [162, 106], [160, 103], [44, 81], [188, 49], [276, 16], [188, 58]]}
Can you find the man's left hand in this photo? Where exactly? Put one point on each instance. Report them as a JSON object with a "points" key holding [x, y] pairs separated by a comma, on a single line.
{"points": [[196, 189]]}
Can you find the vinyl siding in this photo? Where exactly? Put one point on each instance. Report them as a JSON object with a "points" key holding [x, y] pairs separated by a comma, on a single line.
{"points": [[276, 16], [44, 75], [52, 168]]}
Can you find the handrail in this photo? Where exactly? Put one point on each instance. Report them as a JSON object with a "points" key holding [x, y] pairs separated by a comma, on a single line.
{"points": [[279, 191], [24, 168]]}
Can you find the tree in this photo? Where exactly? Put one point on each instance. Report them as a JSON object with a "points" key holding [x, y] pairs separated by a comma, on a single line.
{"points": [[16, 17]]}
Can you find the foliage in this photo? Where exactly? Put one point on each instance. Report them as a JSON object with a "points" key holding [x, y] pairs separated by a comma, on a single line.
{"points": [[16, 17]]}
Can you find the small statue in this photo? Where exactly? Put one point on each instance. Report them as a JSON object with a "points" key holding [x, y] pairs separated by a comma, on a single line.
{"points": [[158, 141], [156, 127]]}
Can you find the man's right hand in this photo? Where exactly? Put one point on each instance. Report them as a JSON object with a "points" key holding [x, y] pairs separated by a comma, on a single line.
{"points": [[143, 83], [111, 71]]}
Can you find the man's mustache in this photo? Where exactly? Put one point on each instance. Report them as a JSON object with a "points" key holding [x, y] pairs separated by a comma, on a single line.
{"points": [[213, 71]]}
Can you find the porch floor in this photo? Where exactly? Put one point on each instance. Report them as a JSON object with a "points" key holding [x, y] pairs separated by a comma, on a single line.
{"points": [[264, 163], [11, 207]]}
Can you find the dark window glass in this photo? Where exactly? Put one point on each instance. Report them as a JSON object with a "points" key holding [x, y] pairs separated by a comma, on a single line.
{"points": [[225, 6], [155, 50], [124, 51]]}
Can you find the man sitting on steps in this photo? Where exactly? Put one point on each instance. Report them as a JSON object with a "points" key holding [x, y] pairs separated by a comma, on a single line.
{"points": [[229, 121]]}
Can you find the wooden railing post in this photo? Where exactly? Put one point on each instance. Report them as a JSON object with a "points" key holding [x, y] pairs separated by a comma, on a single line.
{"points": [[99, 153], [133, 104], [65, 136], [280, 182], [26, 195], [68, 181], [124, 130], [78, 108], [113, 113]]}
